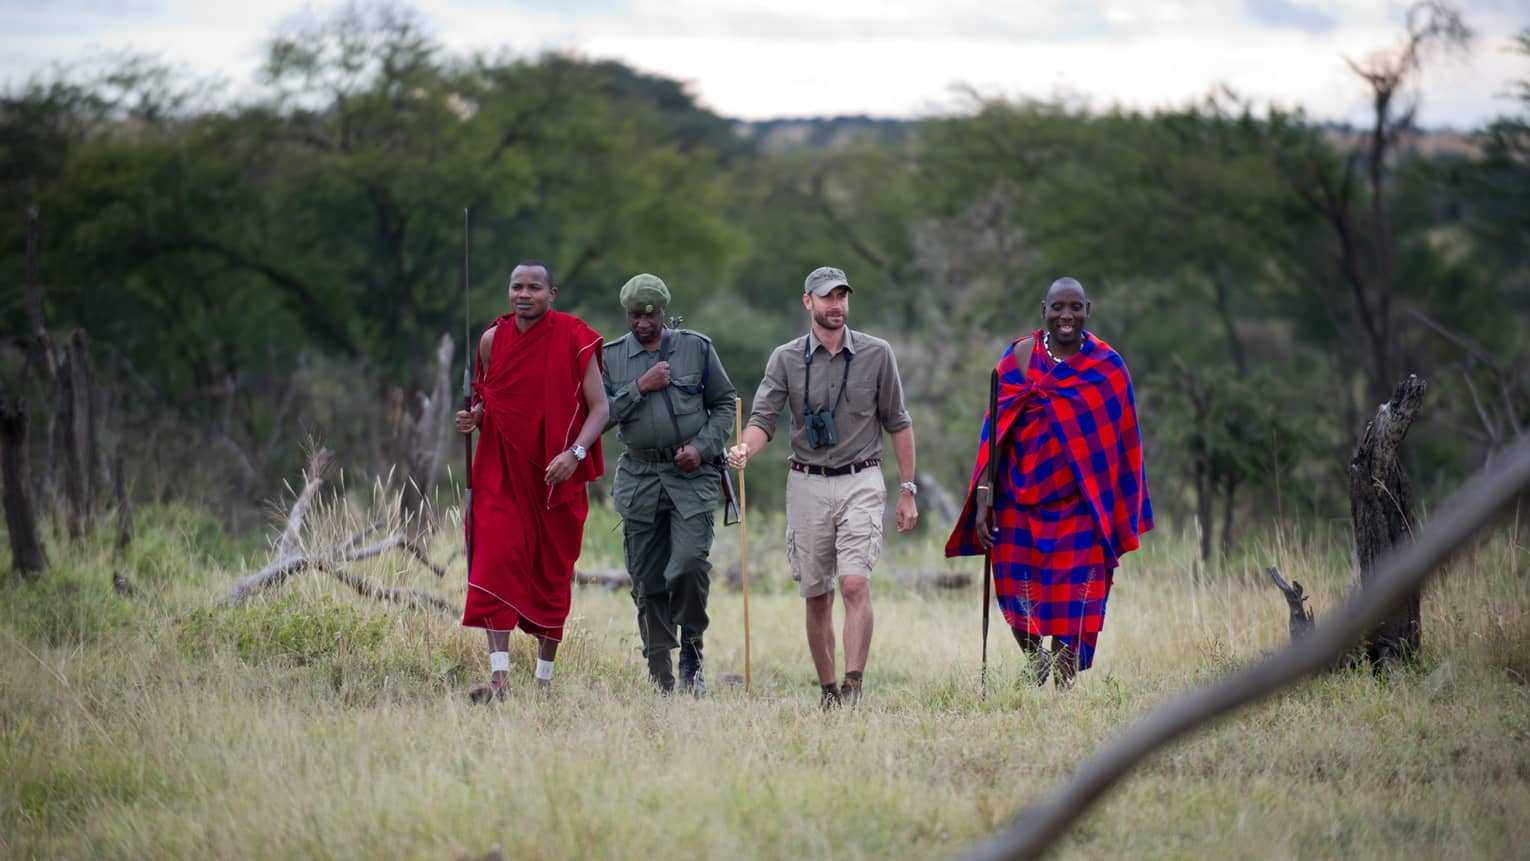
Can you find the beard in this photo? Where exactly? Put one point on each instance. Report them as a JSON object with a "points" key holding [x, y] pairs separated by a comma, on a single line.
{"points": [[824, 322]]}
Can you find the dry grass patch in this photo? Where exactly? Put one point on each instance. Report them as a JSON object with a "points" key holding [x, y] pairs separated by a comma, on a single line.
{"points": [[314, 723]]}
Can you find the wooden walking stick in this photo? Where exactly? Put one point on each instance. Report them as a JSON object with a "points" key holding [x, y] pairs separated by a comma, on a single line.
{"points": [[743, 532], [992, 469]]}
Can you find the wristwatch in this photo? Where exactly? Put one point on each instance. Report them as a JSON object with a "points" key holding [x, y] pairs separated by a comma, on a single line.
{"points": [[579, 451], [910, 487]]}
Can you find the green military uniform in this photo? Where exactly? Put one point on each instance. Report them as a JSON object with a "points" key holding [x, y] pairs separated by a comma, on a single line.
{"points": [[667, 512]]}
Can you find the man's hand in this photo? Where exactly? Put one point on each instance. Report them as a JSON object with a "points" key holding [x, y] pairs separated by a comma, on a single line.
{"points": [[985, 527], [738, 456], [467, 421], [561, 468], [687, 458], [908, 511], [654, 379]]}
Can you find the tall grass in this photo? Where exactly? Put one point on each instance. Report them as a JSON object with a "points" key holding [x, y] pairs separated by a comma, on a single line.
{"points": [[312, 722]]}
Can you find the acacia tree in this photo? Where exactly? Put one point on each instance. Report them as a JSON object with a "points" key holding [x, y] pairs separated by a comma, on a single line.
{"points": [[1355, 196]]}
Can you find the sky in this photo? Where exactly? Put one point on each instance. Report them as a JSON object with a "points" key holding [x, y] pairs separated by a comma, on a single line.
{"points": [[761, 59]]}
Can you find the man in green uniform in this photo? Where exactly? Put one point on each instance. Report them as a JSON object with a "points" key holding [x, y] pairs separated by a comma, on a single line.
{"points": [[675, 406]]}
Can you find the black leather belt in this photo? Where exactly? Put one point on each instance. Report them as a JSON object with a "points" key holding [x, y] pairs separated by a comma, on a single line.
{"points": [[652, 455], [847, 469]]}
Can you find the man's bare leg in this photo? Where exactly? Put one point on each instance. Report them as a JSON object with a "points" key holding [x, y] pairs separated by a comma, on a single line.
{"points": [[858, 622], [499, 669], [499, 641], [820, 635], [547, 652], [858, 626]]}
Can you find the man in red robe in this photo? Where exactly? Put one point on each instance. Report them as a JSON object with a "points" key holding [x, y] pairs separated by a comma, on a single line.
{"points": [[541, 407]]}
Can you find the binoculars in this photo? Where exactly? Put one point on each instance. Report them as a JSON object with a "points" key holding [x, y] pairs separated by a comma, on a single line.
{"points": [[820, 428]]}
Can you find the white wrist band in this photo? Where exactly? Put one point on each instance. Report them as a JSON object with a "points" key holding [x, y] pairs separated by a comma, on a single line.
{"points": [[544, 670], [499, 662]]}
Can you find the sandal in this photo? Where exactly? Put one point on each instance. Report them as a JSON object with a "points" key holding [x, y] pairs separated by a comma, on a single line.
{"points": [[488, 692]]}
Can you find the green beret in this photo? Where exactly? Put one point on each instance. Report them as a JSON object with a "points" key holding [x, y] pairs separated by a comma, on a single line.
{"points": [[644, 293]]}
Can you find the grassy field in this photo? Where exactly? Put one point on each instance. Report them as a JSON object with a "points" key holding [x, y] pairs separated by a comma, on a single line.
{"points": [[313, 723]]}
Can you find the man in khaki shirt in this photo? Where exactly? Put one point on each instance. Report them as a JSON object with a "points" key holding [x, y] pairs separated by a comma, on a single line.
{"points": [[843, 390]]}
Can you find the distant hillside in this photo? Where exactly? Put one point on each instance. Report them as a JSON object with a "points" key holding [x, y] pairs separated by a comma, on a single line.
{"points": [[781, 135], [793, 133]]}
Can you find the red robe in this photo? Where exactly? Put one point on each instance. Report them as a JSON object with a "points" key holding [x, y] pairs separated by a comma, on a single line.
{"points": [[525, 536]]}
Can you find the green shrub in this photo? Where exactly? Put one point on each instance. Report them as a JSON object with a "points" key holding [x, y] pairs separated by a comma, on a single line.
{"points": [[291, 629], [65, 607]]}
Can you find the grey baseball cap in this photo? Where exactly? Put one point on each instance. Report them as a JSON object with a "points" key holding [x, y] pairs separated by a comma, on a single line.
{"points": [[823, 280]]}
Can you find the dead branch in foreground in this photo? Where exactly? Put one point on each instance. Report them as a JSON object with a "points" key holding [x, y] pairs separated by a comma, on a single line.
{"points": [[291, 556], [1397, 576]]}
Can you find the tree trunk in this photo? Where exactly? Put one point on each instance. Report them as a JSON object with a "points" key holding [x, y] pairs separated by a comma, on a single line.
{"points": [[1204, 490], [124, 509], [418, 426], [27, 555], [1229, 505], [77, 418], [1381, 505], [42, 355]]}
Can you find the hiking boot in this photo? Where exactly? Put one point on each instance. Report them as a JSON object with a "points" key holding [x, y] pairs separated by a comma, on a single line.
{"points": [[850, 692], [831, 699], [661, 672], [691, 679]]}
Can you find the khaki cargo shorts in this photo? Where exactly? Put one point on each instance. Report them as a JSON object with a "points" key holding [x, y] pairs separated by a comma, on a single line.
{"points": [[833, 527]]}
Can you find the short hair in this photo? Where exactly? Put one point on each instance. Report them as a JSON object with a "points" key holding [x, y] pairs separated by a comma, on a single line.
{"points": [[532, 261]]}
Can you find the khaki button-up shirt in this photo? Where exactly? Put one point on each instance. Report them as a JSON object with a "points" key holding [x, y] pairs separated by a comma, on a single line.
{"points": [[872, 402]]}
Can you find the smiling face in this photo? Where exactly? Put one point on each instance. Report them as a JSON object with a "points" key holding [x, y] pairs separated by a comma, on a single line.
{"points": [[646, 326], [1065, 311], [831, 311], [531, 294]]}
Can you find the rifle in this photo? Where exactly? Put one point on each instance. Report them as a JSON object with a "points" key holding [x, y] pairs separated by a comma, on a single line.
{"points": [[470, 352]]}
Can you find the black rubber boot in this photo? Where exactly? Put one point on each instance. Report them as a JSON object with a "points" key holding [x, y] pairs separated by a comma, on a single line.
{"points": [[691, 679], [661, 672]]}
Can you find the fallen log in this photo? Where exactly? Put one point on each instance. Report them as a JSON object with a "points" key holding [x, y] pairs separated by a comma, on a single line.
{"points": [[610, 579]]}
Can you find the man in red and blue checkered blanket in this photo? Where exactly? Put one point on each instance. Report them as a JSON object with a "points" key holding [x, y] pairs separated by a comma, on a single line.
{"points": [[1067, 497]]}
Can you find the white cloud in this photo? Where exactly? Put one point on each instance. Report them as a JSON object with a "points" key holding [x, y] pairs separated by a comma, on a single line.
{"points": [[893, 57]]}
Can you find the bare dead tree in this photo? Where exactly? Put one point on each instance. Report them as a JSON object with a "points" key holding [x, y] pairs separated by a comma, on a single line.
{"points": [[1302, 620], [418, 426], [42, 354], [27, 555], [291, 555], [1470, 510], [1360, 222], [1381, 506], [124, 508], [77, 417], [1499, 388]]}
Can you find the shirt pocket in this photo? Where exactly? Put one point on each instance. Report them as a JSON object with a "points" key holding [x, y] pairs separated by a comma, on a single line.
{"points": [[861, 393], [686, 393]]}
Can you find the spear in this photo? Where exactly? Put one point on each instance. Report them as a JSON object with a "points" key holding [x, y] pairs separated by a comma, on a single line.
{"points": [[467, 386], [993, 423]]}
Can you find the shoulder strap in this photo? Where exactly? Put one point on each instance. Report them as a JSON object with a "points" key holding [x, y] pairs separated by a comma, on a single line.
{"points": [[668, 403]]}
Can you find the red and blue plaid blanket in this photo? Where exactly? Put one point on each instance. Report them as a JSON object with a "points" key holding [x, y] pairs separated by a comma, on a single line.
{"points": [[1088, 402]]}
